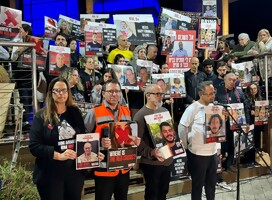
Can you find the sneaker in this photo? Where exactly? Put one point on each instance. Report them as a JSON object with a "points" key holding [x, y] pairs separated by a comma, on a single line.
{"points": [[224, 185], [203, 192], [250, 165]]}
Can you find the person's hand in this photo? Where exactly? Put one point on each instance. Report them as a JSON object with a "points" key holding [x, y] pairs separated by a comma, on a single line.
{"points": [[170, 101], [98, 88], [69, 154], [252, 112], [126, 90], [247, 128], [137, 141], [224, 112], [143, 88], [156, 154], [106, 143], [101, 156], [107, 48]]}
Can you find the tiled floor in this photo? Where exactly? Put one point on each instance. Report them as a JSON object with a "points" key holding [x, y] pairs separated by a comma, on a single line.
{"points": [[258, 188]]}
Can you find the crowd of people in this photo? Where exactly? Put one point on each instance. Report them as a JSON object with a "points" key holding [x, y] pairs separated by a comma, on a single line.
{"points": [[92, 81]]}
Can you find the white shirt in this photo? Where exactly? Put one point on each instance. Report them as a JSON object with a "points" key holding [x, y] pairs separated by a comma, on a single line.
{"points": [[194, 119]]}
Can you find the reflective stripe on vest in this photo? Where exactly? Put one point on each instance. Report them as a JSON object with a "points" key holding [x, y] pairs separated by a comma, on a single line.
{"points": [[103, 117]]}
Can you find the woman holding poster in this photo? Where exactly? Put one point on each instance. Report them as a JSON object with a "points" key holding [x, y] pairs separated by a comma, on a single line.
{"points": [[55, 171], [252, 95]]}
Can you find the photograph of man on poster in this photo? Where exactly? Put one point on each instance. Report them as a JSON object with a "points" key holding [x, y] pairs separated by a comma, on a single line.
{"points": [[181, 51], [89, 155], [130, 77], [214, 126], [59, 63], [94, 45], [168, 134]]}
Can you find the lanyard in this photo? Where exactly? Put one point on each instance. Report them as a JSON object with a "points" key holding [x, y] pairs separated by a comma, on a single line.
{"points": [[236, 95]]}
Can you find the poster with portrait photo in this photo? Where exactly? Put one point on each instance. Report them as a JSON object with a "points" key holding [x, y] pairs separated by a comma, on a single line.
{"points": [[118, 70], [207, 33], [177, 86], [163, 135], [87, 149], [246, 140], [261, 113], [183, 51], [50, 28], [163, 80], [193, 15], [93, 39], [85, 18], [168, 42], [243, 71], [139, 29], [59, 59], [215, 124], [10, 20], [209, 8], [144, 72], [238, 112], [69, 26], [123, 134], [171, 20], [130, 78]]}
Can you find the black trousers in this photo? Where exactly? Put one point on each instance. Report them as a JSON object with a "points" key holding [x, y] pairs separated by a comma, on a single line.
{"points": [[228, 147], [106, 186], [157, 180], [203, 173], [56, 187]]}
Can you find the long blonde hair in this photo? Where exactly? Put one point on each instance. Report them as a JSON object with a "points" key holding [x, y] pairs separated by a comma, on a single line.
{"points": [[266, 32], [50, 111], [68, 74]]}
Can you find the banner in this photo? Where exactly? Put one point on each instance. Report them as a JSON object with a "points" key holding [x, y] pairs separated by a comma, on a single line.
{"points": [[209, 8], [163, 136], [69, 26], [139, 29], [50, 28], [207, 33], [215, 124], [93, 39], [123, 153], [10, 21], [183, 50], [59, 59], [87, 149], [238, 113], [124, 158], [194, 16], [171, 20], [243, 71], [126, 76], [177, 86], [261, 113], [163, 80], [179, 164], [246, 140]]}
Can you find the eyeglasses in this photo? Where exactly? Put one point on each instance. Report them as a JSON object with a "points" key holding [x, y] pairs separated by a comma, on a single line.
{"points": [[158, 94], [59, 91], [211, 94], [113, 91]]}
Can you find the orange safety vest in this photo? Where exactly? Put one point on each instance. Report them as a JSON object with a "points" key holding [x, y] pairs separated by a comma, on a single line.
{"points": [[103, 117]]}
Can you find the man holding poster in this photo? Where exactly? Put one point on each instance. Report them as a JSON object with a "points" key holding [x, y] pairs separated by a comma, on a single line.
{"points": [[202, 158], [97, 121], [156, 170]]}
